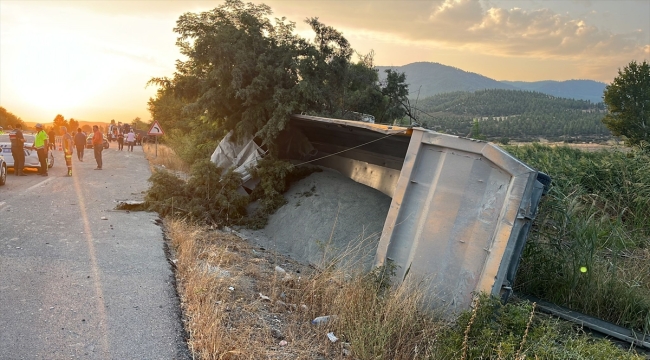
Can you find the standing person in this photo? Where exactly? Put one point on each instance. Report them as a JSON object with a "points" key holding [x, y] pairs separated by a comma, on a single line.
{"points": [[80, 144], [68, 147], [18, 150], [130, 139], [51, 138], [120, 140], [41, 145], [98, 146]]}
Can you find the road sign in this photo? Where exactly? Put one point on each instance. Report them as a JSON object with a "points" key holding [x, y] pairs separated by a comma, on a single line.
{"points": [[156, 129]]}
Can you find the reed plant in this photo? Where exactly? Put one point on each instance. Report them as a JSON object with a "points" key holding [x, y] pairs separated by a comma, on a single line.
{"points": [[589, 244]]}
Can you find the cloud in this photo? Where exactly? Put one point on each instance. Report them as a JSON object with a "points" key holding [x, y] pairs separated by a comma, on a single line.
{"points": [[489, 29], [519, 32]]}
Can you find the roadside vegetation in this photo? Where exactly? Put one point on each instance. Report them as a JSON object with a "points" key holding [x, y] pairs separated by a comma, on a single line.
{"points": [[162, 156], [590, 245], [243, 302]]}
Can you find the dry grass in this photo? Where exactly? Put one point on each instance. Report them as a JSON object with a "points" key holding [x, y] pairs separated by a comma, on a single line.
{"points": [[242, 302], [166, 158], [224, 283]]}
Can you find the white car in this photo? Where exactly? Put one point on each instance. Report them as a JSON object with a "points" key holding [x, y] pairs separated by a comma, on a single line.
{"points": [[3, 171], [31, 158]]}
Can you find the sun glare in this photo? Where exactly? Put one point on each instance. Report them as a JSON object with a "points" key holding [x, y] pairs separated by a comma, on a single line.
{"points": [[58, 71]]}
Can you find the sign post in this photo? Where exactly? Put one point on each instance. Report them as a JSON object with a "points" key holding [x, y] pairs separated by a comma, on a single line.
{"points": [[156, 130]]}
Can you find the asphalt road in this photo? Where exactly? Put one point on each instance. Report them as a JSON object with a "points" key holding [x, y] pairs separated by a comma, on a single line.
{"points": [[78, 279]]}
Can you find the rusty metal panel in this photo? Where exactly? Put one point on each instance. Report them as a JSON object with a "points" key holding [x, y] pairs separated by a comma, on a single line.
{"points": [[457, 217]]}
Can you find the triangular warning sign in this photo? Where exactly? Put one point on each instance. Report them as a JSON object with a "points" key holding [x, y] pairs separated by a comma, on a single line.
{"points": [[156, 129]]}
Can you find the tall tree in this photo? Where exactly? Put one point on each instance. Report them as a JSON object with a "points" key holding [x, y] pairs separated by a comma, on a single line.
{"points": [[628, 101], [59, 121], [73, 125], [249, 74], [241, 70]]}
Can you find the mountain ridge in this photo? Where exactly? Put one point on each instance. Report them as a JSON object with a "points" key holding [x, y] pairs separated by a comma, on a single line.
{"points": [[427, 79]]}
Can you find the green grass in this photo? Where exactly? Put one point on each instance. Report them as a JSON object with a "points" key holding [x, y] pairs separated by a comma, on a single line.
{"points": [[596, 217]]}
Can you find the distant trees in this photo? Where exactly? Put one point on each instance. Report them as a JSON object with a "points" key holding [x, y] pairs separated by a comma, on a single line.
{"points": [[73, 125], [7, 118], [59, 121], [138, 124], [513, 114], [628, 101]]}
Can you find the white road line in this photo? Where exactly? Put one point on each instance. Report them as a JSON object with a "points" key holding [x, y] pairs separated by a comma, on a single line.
{"points": [[37, 185]]}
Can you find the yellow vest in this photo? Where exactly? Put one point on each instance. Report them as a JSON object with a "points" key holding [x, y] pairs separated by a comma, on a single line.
{"points": [[39, 139]]}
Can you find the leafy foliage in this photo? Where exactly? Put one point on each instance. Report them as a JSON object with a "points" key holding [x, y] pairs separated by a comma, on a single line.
{"points": [[210, 196], [594, 218], [7, 118], [628, 102], [214, 196], [249, 74], [495, 331]]}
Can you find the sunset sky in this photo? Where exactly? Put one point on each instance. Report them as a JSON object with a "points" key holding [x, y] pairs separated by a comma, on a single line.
{"points": [[91, 60]]}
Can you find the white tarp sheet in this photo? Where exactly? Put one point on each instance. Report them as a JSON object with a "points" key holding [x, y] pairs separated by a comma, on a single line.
{"points": [[240, 155]]}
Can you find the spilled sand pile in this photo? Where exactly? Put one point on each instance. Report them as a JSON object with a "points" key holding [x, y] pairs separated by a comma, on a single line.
{"points": [[326, 215]]}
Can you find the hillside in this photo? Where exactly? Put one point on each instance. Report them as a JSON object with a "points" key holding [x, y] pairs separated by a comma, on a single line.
{"points": [[433, 78], [514, 114], [572, 89], [427, 79]]}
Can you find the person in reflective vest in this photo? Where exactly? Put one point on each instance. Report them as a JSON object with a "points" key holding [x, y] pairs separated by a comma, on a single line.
{"points": [[41, 144], [68, 148]]}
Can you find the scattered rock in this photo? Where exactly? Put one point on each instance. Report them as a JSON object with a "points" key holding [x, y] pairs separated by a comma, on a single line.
{"points": [[283, 343], [215, 270], [277, 334], [104, 218], [264, 297], [322, 319], [231, 288], [280, 270], [332, 337]]}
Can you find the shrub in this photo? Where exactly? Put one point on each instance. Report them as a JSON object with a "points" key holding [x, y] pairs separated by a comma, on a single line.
{"points": [[209, 196]]}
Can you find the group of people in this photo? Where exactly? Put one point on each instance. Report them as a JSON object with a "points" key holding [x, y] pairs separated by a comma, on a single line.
{"points": [[43, 142], [130, 140]]}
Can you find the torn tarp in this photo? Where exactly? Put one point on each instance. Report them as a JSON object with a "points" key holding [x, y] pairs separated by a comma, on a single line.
{"points": [[242, 155]]}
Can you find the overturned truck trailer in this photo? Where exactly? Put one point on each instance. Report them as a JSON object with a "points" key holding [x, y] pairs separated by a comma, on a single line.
{"points": [[461, 208]]}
